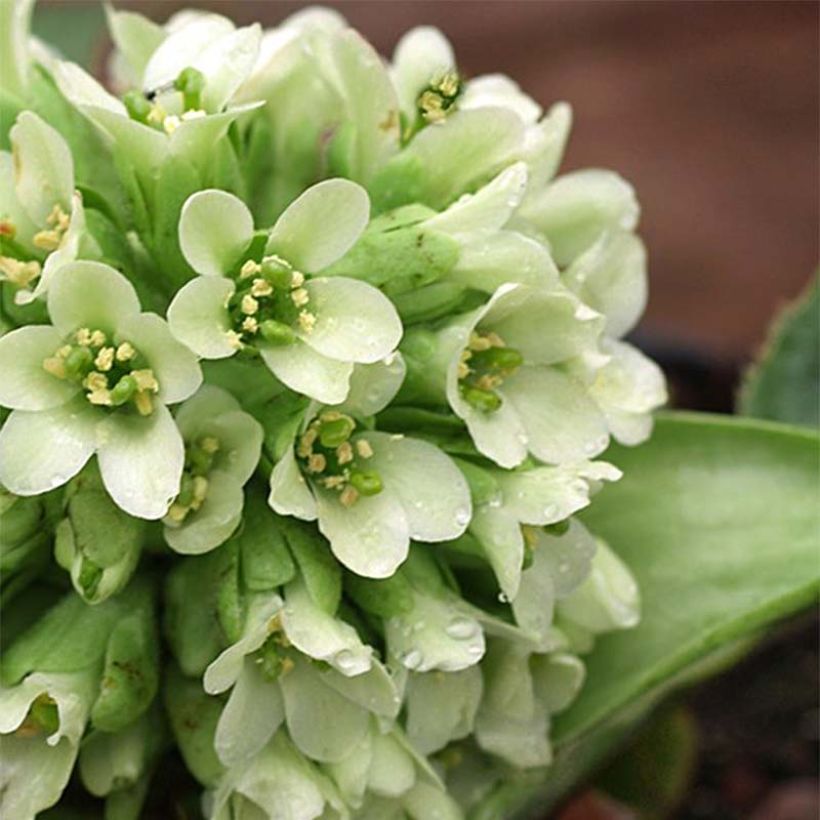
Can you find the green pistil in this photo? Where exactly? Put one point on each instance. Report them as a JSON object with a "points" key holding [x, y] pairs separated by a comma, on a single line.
{"points": [[329, 456], [277, 333], [484, 365], [138, 107], [112, 375], [143, 106], [191, 83]]}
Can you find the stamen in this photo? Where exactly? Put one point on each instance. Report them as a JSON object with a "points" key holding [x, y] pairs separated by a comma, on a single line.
{"points": [[261, 287], [307, 321], [250, 268], [363, 448], [249, 305], [105, 359], [300, 297], [125, 352], [17, 272], [349, 496]]}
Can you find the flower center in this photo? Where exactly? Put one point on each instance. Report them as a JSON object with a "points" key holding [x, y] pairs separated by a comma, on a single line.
{"points": [[193, 489], [43, 718], [327, 455], [482, 368], [144, 107], [440, 96], [52, 237], [111, 375], [269, 304], [273, 657]]}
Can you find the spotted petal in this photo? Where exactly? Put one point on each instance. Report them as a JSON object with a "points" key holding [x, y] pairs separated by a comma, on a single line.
{"points": [[215, 228], [25, 384], [321, 225], [141, 460]]}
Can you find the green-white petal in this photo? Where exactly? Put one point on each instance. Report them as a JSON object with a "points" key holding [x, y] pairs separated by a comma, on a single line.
{"points": [[90, 294], [308, 372], [175, 367], [441, 708], [561, 422], [207, 404], [355, 322], [141, 460], [214, 522], [215, 229], [421, 57], [499, 91], [375, 690], [565, 558], [321, 636], [44, 169], [544, 145], [500, 535], [432, 490], [323, 724], [371, 537], [534, 601], [289, 491], [135, 37], [374, 386], [500, 435], [321, 225], [253, 713], [198, 318], [557, 679], [240, 444], [576, 209], [25, 384], [42, 450], [392, 770]]}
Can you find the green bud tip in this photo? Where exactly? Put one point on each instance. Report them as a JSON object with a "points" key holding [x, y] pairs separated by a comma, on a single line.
{"points": [[191, 83]]}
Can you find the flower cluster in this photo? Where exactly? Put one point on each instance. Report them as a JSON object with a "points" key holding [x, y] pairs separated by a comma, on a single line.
{"points": [[308, 358]]}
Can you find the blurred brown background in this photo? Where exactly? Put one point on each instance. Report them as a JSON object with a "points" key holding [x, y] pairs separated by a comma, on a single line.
{"points": [[710, 109]]}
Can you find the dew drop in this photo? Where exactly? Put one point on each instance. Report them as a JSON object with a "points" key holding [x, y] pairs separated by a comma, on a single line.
{"points": [[462, 516], [461, 628], [550, 511], [503, 597], [413, 659]]}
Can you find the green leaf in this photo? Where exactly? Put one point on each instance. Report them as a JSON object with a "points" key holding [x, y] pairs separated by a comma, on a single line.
{"points": [[784, 385], [718, 520], [265, 559]]}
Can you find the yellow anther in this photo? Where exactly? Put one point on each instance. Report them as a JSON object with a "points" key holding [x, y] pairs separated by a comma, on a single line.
{"points": [[234, 339], [349, 496], [83, 337], [316, 463], [177, 513], [144, 403], [63, 351], [300, 297], [287, 666], [249, 305], [261, 287], [275, 623], [448, 84], [431, 106], [463, 370], [297, 279], [250, 325], [331, 415], [17, 272], [363, 448], [344, 453], [489, 381], [250, 268], [306, 441], [58, 218], [95, 381], [48, 240], [146, 380], [156, 115], [125, 352], [8, 228], [494, 339], [200, 491], [55, 365], [479, 342], [100, 397], [105, 359], [210, 444], [307, 321], [193, 114], [171, 123], [333, 482], [98, 338]]}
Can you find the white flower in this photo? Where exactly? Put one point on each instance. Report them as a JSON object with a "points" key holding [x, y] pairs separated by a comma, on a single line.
{"points": [[95, 381], [309, 330]]}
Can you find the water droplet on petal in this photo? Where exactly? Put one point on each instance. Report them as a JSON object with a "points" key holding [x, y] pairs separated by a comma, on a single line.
{"points": [[461, 628], [462, 516], [413, 659]]}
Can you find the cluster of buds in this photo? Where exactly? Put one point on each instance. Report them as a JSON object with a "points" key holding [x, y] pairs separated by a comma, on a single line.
{"points": [[322, 366]]}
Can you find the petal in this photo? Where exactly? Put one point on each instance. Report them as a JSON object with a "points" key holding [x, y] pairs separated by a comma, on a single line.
{"points": [[141, 460], [226, 63], [41, 451], [534, 600], [197, 316], [611, 278], [11, 207], [565, 558], [355, 322], [557, 679], [498, 435], [324, 725], [487, 210], [25, 384], [576, 209], [375, 690], [547, 326], [209, 402], [92, 295], [136, 37], [370, 537], [304, 370], [251, 716], [215, 229], [441, 708], [392, 771], [289, 491], [374, 386], [432, 490], [176, 368], [561, 421], [44, 169], [321, 225], [240, 443], [214, 522], [321, 636], [500, 535], [490, 259], [500, 91], [82, 90], [421, 57], [436, 634], [544, 144]]}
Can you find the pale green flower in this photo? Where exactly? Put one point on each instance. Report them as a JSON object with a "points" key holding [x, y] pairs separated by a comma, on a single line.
{"points": [[222, 447], [309, 330], [95, 381], [501, 370], [273, 682], [370, 491], [42, 222], [515, 501]]}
